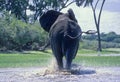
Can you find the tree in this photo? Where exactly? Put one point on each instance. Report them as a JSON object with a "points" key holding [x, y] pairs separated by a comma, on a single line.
{"points": [[96, 19], [19, 7], [39, 6], [16, 7]]}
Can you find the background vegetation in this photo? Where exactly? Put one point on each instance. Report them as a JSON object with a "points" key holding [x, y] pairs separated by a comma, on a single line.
{"points": [[17, 35], [108, 40]]}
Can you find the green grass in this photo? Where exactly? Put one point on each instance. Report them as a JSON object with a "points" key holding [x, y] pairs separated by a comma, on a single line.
{"points": [[90, 58], [104, 51], [36, 59], [24, 59], [97, 61]]}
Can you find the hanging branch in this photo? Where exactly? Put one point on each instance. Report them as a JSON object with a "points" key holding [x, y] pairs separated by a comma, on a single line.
{"points": [[94, 13], [96, 4]]}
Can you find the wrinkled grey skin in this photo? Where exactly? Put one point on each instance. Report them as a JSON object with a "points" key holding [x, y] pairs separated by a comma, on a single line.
{"points": [[64, 35]]}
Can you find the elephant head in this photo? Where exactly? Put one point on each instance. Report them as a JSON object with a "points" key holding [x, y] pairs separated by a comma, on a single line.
{"points": [[64, 35]]}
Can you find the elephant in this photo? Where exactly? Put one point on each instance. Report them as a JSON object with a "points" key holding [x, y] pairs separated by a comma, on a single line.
{"points": [[64, 35]]}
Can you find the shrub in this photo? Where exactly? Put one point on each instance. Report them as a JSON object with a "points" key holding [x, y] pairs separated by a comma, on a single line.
{"points": [[87, 44], [93, 44], [17, 35]]}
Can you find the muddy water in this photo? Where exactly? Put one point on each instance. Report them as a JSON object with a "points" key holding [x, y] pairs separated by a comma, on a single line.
{"points": [[79, 74]]}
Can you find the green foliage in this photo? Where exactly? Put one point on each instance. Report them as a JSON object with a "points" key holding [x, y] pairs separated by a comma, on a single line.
{"points": [[110, 45], [117, 40], [92, 44], [16, 7], [19, 7], [90, 37], [17, 35], [83, 2], [111, 36], [109, 40], [87, 44]]}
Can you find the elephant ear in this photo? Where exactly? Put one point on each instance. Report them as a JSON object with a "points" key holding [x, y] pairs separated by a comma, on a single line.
{"points": [[72, 15], [48, 19]]}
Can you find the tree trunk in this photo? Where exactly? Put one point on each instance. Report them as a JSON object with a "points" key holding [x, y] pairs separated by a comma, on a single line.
{"points": [[97, 22], [99, 41]]}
